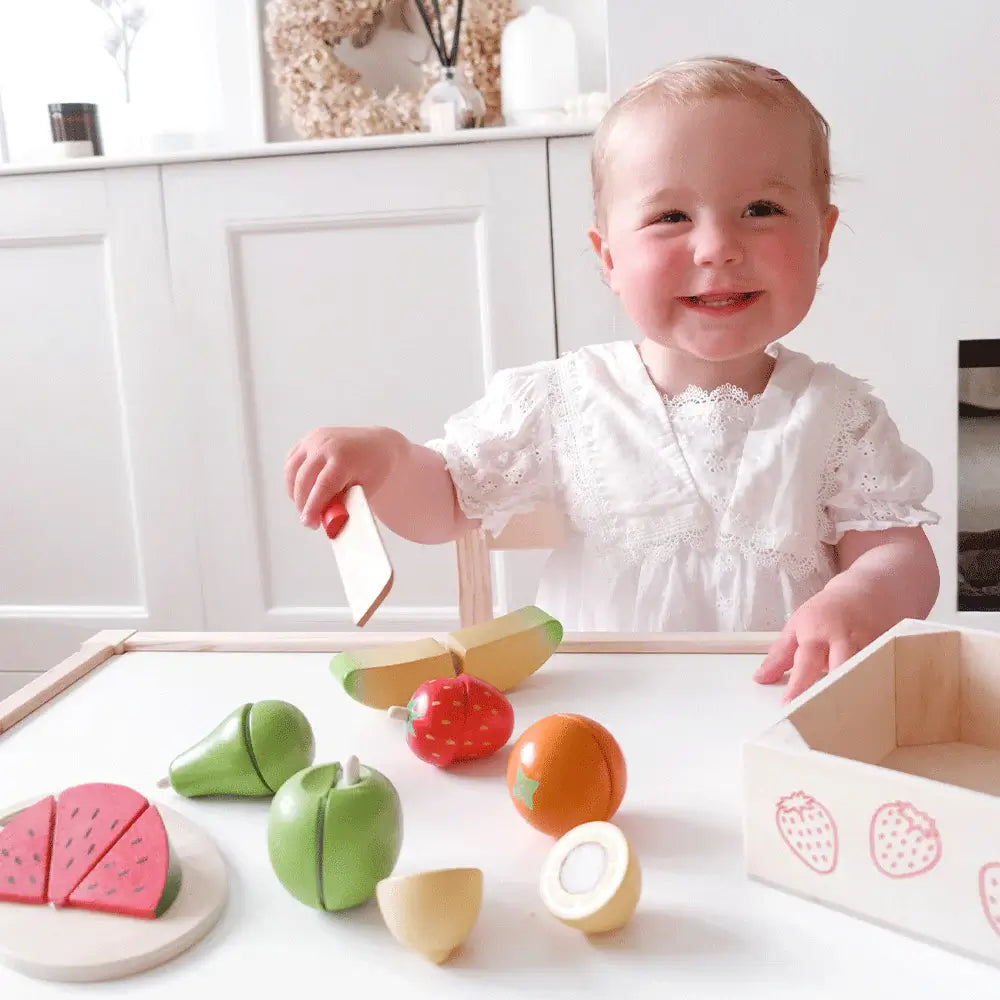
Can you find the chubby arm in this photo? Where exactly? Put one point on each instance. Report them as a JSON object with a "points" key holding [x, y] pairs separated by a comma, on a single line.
{"points": [[884, 576], [408, 485], [418, 500], [895, 568]]}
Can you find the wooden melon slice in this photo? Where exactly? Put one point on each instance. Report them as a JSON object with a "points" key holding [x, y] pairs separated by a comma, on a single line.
{"points": [[505, 651], [138, 877], [25, 848], [89, 820], [383, 676]]}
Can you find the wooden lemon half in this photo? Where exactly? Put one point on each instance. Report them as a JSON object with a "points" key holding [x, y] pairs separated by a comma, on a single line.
{"points": [[591, 879], [431, 912]]}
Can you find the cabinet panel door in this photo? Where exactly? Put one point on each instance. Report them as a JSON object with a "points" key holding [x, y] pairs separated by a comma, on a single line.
{"points": [[96, 511], [587, 311], [350, 288]]}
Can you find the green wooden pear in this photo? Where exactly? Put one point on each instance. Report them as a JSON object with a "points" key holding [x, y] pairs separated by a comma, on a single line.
{"points": [[251, 753]]}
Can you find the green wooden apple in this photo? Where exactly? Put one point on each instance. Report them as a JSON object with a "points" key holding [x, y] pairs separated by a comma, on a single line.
{"points": [[334, 832]]}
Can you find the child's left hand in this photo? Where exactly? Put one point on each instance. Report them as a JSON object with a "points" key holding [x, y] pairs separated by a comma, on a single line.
{"points": [[821, 634]]}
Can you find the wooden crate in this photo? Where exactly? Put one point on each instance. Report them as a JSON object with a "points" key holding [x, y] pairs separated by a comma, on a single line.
{"points": [[878, 791]]}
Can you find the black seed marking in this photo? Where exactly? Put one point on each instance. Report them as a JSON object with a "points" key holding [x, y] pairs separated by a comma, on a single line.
{"points": [[86, 833], [68, 842], [68, 863], [17, 860], [123, 873], [3, 851], [35, 857], [74, 812], [114, 824], [31, 832], [138, 840], [91, 848], [142, 860], [10, 878], [109, 892], [91, 887], [31, 879], [139, 888], [93, 815]]}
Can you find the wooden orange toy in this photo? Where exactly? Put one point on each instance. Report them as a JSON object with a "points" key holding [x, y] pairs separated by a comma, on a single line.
{"points": [[565, 770]]}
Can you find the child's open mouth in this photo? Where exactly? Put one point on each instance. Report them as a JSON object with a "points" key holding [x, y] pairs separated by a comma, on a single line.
{"points": [[723, 304]]}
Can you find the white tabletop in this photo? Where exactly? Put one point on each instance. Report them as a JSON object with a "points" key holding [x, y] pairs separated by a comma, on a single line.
{"points": [[702, 928]]}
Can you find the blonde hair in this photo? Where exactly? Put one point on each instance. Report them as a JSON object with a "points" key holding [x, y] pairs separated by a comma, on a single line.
{"points": [[692, 81]]}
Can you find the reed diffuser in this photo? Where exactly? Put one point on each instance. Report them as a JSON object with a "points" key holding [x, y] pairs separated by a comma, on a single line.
{"points": [[453, 102]]}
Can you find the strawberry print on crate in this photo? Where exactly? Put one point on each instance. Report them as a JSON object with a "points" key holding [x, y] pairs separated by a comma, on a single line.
{"points": [[809, 830], [904, 841], [989, 893]]}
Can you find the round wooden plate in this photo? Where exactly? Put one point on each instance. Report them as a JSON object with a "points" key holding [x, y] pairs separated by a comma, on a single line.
{"points": [[72, 945]]}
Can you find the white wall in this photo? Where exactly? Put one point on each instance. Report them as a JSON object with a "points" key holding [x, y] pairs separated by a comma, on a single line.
{"points": [[192, 75], [383, 63], [912, 93]]}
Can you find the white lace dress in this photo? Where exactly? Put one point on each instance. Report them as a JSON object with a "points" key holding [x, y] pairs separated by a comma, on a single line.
{"points": [[709, 511]]}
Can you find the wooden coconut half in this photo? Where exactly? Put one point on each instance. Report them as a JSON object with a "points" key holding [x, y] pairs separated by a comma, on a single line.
{"points": [[591, 879], [431, 912]]}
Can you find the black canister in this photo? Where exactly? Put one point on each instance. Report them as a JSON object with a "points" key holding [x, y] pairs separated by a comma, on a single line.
{"points": [[76, 123]]}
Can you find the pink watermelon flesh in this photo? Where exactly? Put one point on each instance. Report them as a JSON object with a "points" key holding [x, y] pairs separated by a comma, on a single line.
{"points": [[25, 845], [138, 877], [89, 820]]}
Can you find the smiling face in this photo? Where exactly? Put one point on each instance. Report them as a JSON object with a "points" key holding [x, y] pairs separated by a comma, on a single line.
{"points": [[713, 232]]}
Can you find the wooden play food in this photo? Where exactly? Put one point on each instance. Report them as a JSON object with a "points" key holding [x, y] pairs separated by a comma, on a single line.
{"points": [[432, 912], [455, 718], [97, 846], [503, 652], [73, 943], [591, 879], [251, 752], [334, 832], [507, 650], [565, 770], [383, 676]]}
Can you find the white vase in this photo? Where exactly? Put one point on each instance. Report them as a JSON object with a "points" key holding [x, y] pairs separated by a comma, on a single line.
{"points": [[539, 70]]}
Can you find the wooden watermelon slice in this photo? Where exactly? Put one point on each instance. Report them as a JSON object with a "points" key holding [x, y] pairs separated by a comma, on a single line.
{"points": [[138, 877], [25, 846], [89, 820]]}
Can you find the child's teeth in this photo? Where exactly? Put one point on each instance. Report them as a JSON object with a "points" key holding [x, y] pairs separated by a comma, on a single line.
{"points": [[728, 300]]}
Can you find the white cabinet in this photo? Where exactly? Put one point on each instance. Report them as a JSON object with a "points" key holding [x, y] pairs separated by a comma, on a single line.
{"points": [[368, 287], [170, 330], [96, 502], [587, 311]]}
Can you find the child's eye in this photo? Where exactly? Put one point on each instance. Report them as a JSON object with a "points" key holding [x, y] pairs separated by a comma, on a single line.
{"points": [[671, 217], [762, 209]]}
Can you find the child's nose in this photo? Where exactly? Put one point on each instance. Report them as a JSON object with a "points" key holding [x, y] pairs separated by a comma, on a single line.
{"points": [[716, 245]]}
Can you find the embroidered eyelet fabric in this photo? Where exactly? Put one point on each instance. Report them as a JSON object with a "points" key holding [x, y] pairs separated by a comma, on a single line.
{"points": [[709, 510]]}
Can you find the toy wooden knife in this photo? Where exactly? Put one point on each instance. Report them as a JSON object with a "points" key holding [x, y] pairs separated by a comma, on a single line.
{"points": [[361, 557]]}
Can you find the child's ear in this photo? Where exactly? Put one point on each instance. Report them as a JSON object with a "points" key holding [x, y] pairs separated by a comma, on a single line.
{"points": [[829, 221], [604, 254]]}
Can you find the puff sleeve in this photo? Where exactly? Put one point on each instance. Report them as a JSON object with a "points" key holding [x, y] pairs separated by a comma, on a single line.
{"points": [[499, 449], [873, 480]]}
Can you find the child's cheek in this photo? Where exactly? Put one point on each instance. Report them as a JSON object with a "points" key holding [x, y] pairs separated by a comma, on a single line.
{"points": [[658, 261]]}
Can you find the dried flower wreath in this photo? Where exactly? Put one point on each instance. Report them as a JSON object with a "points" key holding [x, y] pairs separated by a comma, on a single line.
{"points": [[323, 97]]}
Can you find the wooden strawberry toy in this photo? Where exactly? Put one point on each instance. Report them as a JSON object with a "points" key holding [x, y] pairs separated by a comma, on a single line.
{"points": [[450, 719]]}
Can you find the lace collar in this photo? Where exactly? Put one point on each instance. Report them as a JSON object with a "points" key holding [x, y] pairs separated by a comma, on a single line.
{"points": [[721, 394]]}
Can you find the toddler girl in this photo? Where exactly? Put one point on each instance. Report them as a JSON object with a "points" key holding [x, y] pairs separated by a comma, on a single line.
{"points": [[710, 477]]}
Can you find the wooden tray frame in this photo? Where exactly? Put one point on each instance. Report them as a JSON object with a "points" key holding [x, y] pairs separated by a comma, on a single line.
{"points": [[103, 645]]}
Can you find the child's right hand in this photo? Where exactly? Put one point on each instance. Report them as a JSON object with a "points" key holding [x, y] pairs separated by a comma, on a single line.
{"points": [[329, 459]]}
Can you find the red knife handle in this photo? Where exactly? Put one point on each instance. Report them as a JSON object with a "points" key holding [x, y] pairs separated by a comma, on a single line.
{"points": [[334, 518]]}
